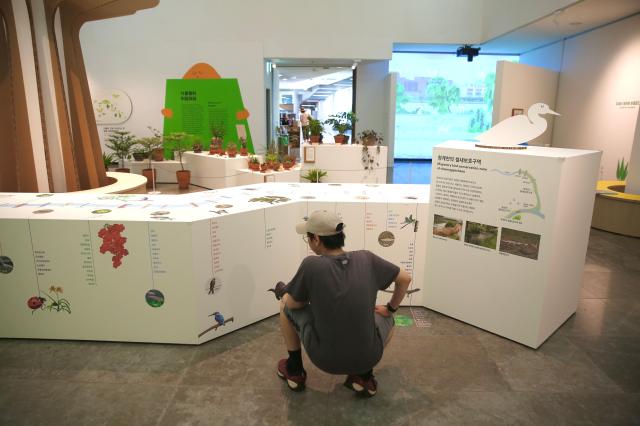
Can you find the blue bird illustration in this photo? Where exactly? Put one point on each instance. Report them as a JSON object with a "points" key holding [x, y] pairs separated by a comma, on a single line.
{"points": [[218, 317]]}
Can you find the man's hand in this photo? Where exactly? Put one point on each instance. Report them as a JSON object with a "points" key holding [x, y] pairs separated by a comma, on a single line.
{"points": [[382, 310]]}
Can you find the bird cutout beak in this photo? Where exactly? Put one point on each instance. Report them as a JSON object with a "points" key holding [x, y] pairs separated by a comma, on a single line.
{"points": [[553, 112]]}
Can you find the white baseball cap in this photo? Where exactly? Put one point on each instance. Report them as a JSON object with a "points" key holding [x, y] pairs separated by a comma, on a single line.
{"points": [[322, 223]]}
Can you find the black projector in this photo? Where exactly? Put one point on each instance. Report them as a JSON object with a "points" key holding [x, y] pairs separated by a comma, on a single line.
{"points": [[468, 51]]}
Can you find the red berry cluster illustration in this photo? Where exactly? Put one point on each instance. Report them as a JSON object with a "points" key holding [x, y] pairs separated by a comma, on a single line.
{"points": [[113, 242]]}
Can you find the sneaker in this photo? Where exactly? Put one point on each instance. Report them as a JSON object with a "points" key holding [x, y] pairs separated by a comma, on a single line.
{"points": [[366, 388], [295, 383]]}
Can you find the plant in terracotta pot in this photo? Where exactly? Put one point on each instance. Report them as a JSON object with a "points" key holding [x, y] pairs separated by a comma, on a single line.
{"points": [[314, 175], [121, 142], [232, 149], [315, 129], [264, 167], [341, 123], [288, 162], [243, 147], [254, 163], [217, 135], [148, 145], [179, 143], [157, 153], [271, 158]]}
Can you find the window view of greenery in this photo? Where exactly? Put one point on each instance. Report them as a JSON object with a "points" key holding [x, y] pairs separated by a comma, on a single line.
{"points": [[441, 97]]}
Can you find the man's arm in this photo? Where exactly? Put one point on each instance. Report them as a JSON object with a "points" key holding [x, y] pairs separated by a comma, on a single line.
{"points": [[293, 303], [399, 291]]}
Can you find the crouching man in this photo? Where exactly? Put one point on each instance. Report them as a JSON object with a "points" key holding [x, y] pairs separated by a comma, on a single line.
{"points": [[329, 307]]}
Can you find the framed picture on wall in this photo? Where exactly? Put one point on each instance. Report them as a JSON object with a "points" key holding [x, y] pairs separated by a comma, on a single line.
{"points": [[517, 111], [309, 154]]}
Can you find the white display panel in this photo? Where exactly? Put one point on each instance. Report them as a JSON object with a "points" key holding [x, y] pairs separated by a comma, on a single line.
{"points": [[519, 215], [343, 163], [161, 288]]}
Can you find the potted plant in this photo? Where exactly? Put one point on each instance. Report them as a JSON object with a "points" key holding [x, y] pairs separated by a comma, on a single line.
{"points": [[315, 129], [217, 135], [270, 159], [139, 154], [341, 123], [158, 152], [243, 147], [148, 145], [197, 145], [107, 159], [254, 163], [264, 167], [314, 175], [288, 162], [370, 138], [121, 142], [232, 149], [178, 142]]}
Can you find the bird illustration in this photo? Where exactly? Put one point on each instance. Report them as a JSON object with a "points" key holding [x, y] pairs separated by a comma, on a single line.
{"points": [[517, 129], [218, 317]]}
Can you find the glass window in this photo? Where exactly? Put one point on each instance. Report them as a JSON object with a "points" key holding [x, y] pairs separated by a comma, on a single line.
{"points": [[441, 97]]}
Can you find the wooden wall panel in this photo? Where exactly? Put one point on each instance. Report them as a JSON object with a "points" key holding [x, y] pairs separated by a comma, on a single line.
{"points": [[17, 166]]}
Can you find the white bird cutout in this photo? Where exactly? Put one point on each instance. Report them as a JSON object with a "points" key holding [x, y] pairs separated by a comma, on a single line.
{"points": [[511, 132]]}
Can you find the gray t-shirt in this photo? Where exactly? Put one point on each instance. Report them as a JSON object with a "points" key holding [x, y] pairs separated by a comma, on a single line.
{"points": [[341, 291]]}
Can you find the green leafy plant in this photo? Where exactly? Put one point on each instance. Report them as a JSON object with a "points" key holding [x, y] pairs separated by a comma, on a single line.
{"points": [[254, 159], [108, 160], [218, 130], [150, 143], [314, 175], [271, 157], [370, 137], [342, 122], [622, 170], [178, 142], [121, 142], [315, 127]]}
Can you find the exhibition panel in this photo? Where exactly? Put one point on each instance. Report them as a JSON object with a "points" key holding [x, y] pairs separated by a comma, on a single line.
{"points": [[509, 231], [181, 269]]}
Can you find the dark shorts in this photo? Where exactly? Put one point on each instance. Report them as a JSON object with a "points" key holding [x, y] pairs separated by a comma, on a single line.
{"points": [[302, 320]]}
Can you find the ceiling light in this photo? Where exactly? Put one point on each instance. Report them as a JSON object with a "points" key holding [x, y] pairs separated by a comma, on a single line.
{"points": [[274, 66]]}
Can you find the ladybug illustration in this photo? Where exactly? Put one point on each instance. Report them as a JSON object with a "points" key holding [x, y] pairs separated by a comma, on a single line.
{"points": [[35, 302]]}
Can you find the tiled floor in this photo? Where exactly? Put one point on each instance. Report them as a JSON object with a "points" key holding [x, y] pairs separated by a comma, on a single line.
{"points": [[588, 372]]}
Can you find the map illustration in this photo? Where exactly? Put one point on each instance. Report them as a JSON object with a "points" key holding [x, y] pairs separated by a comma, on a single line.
{"points": [[527, 201]]}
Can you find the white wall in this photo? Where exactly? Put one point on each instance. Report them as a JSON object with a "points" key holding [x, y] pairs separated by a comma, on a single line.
{"points": [[633, 179], [599, 69], [372, 97], [520, 86], [501, 16], [549, 57], [138, 53]]}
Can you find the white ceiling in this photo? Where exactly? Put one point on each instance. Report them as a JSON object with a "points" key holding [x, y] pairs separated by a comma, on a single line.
{"points": [[303, 78], [563, 23]]}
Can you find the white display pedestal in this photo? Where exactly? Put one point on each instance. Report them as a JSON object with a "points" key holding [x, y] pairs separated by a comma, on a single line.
{"points": [[343, 163], [197, 266], [515, 266], [214, 171], [292, 175], [165, 170]]}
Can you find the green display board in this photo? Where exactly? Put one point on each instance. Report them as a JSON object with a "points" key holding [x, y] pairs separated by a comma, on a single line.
{"points": [[195, 106]]}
